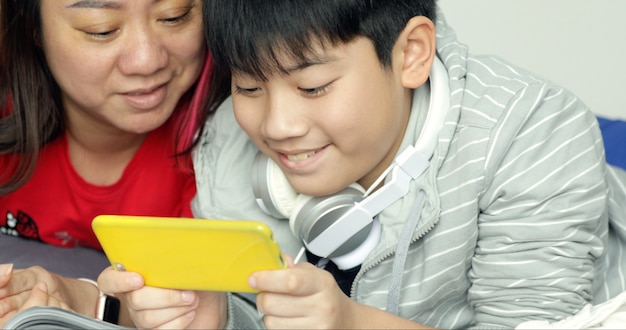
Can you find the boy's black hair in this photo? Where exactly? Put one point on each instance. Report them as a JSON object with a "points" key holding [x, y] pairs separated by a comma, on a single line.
{"points": [[247, 35]]}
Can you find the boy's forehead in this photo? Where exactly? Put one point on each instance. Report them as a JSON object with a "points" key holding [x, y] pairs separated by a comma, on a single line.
{"points": [[290, 65], [285, 61]]}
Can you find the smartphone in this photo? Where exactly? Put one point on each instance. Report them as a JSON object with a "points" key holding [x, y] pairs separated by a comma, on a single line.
{"points": [[187, 253]]}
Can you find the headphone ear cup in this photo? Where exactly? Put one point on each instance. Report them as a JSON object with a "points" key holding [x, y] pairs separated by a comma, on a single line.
{"points": [[283, 194], [312, 215], [271, 188]]}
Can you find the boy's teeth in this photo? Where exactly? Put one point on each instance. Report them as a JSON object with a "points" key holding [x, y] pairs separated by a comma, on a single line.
{"points": [[301, 156]]}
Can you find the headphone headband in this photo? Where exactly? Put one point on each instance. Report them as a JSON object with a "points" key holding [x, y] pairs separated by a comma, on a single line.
{"points": [[327, 232], [409, 165]]}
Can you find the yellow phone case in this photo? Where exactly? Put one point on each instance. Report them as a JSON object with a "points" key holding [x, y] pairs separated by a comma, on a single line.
{"points": [[185, 253]]}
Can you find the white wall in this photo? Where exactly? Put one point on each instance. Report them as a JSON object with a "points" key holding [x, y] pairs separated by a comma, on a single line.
{"points": [[579, 44]]}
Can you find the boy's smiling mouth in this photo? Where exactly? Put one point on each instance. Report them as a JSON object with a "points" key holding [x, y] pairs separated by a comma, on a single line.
{"points": [[301, 156], [300, 159]]}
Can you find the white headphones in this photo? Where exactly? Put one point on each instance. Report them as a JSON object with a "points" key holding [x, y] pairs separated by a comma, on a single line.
{"points": [[343, 226]]}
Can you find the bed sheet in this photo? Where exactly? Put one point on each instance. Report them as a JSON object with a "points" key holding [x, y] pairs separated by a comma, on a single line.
{"points": [[71, 262]]}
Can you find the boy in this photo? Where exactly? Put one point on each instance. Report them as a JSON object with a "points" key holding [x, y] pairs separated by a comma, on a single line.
{"points": [[504, 218]]}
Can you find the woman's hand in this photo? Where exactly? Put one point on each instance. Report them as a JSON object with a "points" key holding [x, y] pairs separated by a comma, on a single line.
{"points": [[22, 289], [38, 297], [150, 307]]}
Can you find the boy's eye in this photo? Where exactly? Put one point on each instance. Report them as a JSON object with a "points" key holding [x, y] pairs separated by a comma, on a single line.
{"points": [[316, 91], [246, 91]]}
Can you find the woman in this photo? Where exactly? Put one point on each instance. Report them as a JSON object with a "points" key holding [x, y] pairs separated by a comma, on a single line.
{"points": [[97, 116]]}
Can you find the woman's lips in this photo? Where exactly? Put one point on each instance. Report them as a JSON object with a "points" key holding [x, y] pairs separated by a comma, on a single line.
{"points": [[146, 100]]}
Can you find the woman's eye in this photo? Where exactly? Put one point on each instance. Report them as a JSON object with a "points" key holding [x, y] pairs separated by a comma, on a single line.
{"points": [[176, 19], [101, 35]]}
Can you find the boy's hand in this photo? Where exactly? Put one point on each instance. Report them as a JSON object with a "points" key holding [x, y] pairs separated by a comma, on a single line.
{"points": [[301, 296], [150, 307]]}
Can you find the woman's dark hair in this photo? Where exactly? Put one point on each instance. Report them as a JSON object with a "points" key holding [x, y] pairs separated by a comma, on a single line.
{"points": [[248, 35], [30, 101], [31, 110]]}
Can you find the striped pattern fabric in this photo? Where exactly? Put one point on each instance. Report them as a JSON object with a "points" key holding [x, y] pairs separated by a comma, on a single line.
{"points": [[524, 196], [515, 226]]}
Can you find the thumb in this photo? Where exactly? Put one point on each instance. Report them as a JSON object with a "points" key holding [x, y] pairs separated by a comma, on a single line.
{"points": [[38, 296], [6, 272], [42, 287]]}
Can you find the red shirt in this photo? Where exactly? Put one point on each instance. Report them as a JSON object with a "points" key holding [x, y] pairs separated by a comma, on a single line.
{"points": [[57, 205]]}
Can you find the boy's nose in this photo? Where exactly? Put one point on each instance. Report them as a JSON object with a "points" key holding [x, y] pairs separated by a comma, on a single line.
{"points": [[284, 119]]}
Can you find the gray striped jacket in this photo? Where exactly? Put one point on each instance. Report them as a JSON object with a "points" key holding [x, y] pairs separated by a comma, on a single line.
{"points": [[518, 199]]}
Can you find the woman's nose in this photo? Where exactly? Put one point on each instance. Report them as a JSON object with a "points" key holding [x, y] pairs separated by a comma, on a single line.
{"points": [[143, 54]]}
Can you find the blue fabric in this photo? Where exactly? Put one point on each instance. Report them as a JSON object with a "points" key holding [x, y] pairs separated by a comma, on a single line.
{"points": [[614, 135]]}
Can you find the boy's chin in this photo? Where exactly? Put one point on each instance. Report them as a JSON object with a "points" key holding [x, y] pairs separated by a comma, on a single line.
{"points": [[320, 187]]}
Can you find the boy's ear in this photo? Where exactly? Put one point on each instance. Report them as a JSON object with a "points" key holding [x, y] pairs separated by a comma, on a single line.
{"points": [[416, 46]]}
